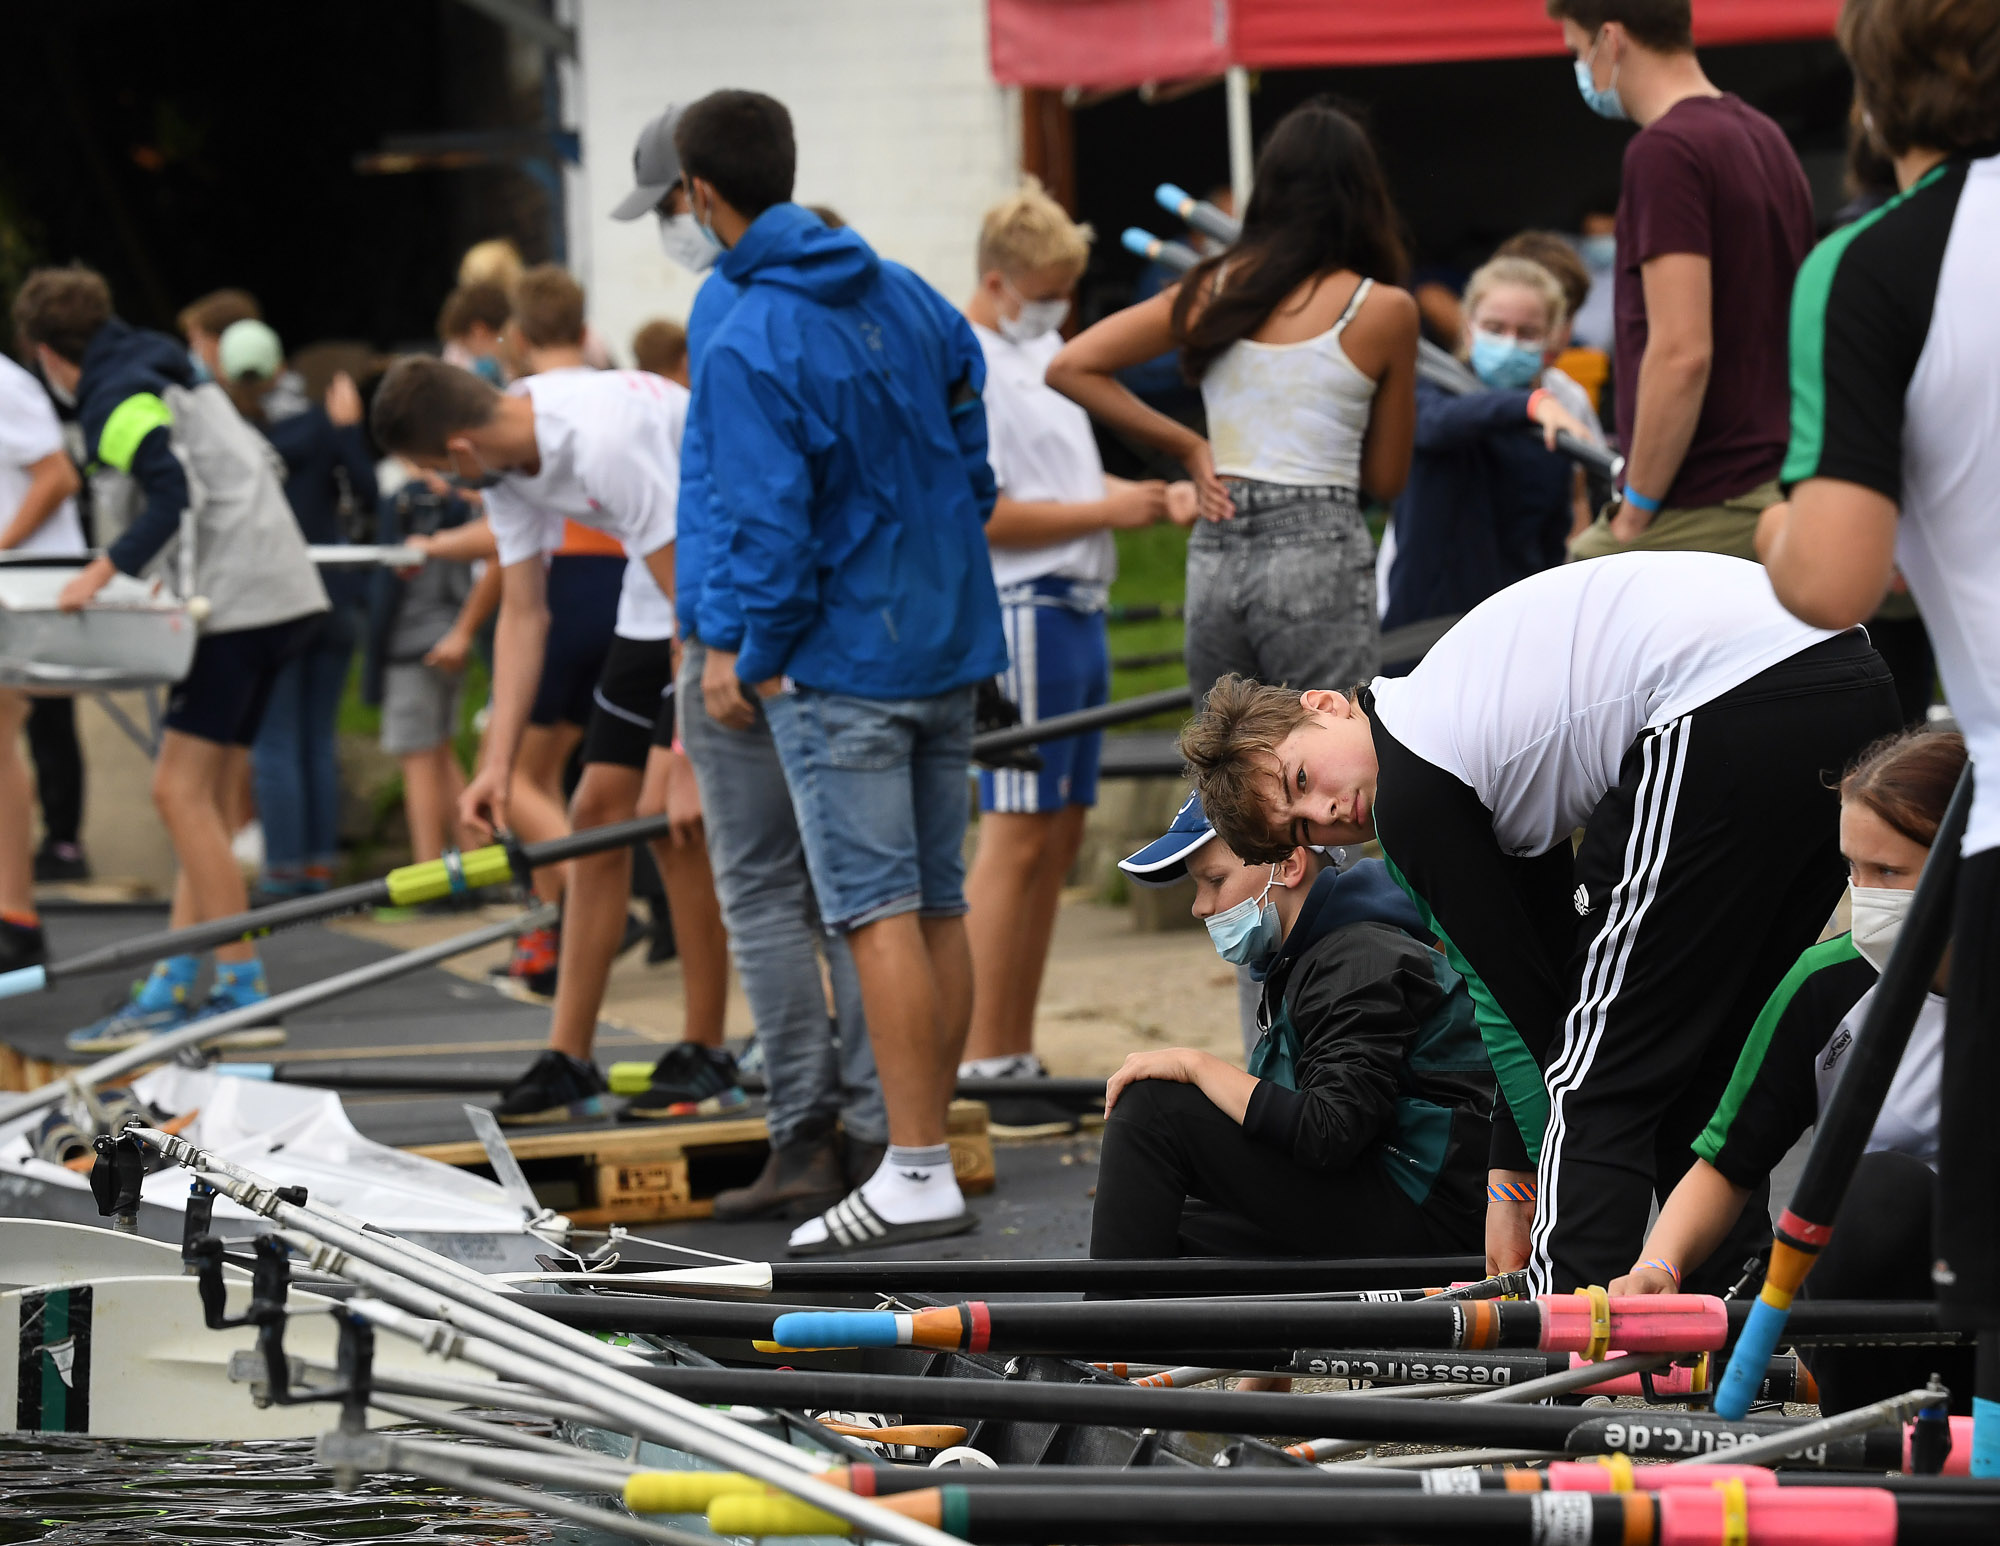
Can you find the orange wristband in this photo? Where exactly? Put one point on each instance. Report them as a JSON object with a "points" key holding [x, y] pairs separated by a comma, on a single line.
{"points": [[1535, 399]]}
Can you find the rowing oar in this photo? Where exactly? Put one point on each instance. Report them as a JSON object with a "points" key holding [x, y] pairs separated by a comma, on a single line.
{"points": [[1842, 1132], [1652, 1433], [453, 875], [447, 1309], [1173, 1276], [272, 1008], [1554, 1323]]}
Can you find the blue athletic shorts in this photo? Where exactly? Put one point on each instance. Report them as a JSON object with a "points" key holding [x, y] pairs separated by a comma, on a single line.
{"points": [[1058, 661], [583, 607]]}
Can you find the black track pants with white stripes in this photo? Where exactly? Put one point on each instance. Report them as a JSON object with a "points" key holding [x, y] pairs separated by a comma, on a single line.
{"points": [[1701, 875]]}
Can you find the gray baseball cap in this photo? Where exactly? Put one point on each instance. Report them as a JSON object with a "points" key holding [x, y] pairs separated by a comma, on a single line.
{"points": [[656, 166]]}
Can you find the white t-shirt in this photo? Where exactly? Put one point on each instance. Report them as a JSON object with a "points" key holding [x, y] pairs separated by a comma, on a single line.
{"points": [[29, 431], [1908, 1123], [1537, 693], [1041, 448], [610, 443]]}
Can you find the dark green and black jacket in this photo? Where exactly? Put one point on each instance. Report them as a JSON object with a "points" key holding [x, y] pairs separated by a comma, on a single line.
{"points": [[1773, 1096], [1369, 1053]]}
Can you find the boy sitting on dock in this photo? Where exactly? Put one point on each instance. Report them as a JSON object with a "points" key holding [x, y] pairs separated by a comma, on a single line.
{"points": [[1362, 1125], [212, 481]]}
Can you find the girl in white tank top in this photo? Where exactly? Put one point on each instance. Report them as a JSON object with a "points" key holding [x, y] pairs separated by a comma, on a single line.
{"points": [[1280, 579]]}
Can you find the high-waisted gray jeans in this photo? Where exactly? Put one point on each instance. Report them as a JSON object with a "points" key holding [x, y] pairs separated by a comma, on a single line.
{"points": [[1284, 592]]}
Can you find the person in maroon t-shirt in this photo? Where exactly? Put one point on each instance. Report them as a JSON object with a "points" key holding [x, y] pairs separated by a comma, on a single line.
{"points": [[1713, 221]]}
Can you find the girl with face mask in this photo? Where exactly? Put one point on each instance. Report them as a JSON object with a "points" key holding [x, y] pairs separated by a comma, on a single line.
{"points": [[1891, 802], [1357, 1128], [1489, 500]]}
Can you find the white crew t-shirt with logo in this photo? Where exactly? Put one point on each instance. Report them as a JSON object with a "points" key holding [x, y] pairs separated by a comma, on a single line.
{"points": [[30, 431], [609, 442], [1041, 448], [1535, 696]]}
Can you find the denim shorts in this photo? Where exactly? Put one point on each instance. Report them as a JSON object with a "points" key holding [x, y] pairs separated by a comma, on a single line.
{"points": [[879, 786]]}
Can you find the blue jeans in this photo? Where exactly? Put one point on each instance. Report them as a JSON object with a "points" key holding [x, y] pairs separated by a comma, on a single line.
{"points": [[880, 787], [297, 775], [816, 1067]]}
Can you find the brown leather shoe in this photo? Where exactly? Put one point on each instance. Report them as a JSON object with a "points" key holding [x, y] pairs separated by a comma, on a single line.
{"points": [[797, 1181]]}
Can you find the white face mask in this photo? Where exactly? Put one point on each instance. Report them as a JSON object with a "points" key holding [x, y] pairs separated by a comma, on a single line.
{"points": [[1878, 919], [685, 241], [1036, 318]]}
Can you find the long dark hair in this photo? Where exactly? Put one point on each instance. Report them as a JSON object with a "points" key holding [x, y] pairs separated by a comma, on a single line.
{"points": [[1319, 203]]}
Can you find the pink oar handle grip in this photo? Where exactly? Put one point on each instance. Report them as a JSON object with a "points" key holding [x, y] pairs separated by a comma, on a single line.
{"points": [[1640, 1323], [1788, 1516], [1587, 1476]]}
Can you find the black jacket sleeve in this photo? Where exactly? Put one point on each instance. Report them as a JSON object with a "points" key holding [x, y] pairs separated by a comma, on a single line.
{"points": [[1355, 999]]}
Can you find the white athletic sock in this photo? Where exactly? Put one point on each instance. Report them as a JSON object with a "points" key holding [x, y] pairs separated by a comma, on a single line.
{"points": [[1009, 1065], [912, 1186]]}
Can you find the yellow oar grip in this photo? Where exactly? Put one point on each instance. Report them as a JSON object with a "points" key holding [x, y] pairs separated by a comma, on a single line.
{"points": [[771, 1514], [432, 879], [685, 1492]]}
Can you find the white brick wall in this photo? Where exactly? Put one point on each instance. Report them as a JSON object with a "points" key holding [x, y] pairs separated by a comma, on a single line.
{"points": [[900, 127]]}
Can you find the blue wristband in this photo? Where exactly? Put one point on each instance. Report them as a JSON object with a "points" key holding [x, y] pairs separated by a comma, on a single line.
{"points": [[1639, 501]]}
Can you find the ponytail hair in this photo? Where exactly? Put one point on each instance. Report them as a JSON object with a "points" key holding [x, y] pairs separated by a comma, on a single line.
{"points": [[1907, 779]]}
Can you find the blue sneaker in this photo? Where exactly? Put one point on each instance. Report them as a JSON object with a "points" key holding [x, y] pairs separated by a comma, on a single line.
{"points": [[128, 1027]]}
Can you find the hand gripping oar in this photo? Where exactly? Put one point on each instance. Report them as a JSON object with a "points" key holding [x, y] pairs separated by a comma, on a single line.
{"points": [[275, 1007], [433, 880], [1842, 1132]]}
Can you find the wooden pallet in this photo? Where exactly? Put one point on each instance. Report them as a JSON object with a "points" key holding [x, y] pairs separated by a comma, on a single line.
{"points": [[655, 1172]]}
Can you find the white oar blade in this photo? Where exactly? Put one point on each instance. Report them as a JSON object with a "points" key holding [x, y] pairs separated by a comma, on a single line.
{"points": [[35, 1252], [132, 1358], [749, 1274]]}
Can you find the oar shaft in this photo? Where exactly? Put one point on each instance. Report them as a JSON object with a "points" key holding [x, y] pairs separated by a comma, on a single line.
{"points": [[272, 1008], [1185, 1277], [413, 883]]}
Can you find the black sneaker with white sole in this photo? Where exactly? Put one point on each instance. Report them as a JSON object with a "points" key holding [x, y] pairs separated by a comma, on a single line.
{"points": [[556, 1088], [689, 1080], [1026, 1115]]}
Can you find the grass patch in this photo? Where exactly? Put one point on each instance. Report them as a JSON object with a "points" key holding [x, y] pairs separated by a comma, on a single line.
{"points": [[1152, 568]]}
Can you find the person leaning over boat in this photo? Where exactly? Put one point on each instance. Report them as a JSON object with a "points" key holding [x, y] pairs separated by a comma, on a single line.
{"points": [[1891, 802], [1668, 706], [1362, 1126], [37, 485], [212, 480]]}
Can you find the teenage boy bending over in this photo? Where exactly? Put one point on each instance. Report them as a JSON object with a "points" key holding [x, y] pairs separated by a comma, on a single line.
{"points": [[1361, 1127], [838, 400], [1053, 561], [602, 448], [142, 414], [1667, 705]]}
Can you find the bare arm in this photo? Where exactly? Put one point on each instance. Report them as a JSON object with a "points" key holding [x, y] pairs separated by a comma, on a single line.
{"points": [[50, 481], [473, 540], [1227, 1087], [1035, 523], [1085, 372], [450, 652], [518, 647], [1392, 419], [1692, 1223], [1831, 552], [1673, 379]]}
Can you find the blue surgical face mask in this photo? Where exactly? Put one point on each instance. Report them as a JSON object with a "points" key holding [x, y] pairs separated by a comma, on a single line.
{"points": [[1503, 364], [487, 369], [1598, 252], [1248, 934], [1606, 103]]}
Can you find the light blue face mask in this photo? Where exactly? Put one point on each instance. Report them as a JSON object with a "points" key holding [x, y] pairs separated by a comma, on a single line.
{"points": [[1248, 934], [1606, 103], [1503, 364], [1598, 252]]}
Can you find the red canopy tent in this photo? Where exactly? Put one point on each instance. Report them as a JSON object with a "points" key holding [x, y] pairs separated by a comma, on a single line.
{"points": [[1114, 43]]}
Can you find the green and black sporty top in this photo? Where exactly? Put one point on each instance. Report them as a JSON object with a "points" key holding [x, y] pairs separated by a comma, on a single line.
{"points": [[1796, 1054], [1895, 331]]}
